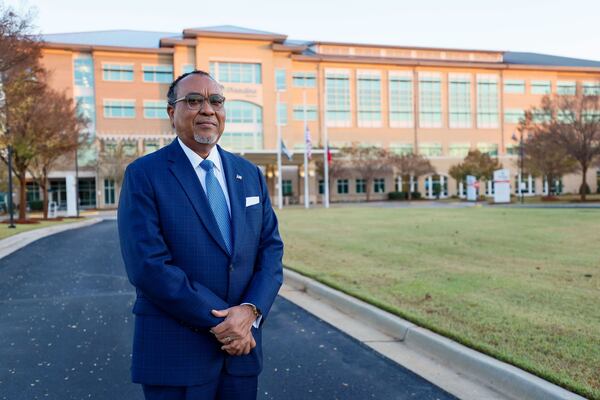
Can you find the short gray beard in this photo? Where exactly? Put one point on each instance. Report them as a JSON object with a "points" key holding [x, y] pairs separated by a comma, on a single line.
{"points": [[204, 139]]}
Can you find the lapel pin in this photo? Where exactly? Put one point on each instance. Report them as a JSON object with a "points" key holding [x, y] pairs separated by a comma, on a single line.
{"points": [[238, 177]]}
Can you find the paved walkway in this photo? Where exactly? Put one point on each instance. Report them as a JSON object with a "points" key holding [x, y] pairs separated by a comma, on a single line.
{"points": [[66, 330]]}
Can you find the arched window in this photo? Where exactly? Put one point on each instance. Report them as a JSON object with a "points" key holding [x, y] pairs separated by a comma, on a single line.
{"points": [[243, 128]]}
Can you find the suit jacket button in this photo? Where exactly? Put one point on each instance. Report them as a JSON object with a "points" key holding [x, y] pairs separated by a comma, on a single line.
{"points": [[230, 267]]}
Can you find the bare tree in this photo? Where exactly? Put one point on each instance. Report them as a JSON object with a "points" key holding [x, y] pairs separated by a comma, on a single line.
{"points": [[370, 162], [544, 157], [22, 88], [59, 130], [573, 123], [112, 161], [18, 46], [414, 165]]}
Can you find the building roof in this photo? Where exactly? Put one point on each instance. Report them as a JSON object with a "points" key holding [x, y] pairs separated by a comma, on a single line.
{"points": [[151, 40], [511, 57], [233, 29], [119, 38]]}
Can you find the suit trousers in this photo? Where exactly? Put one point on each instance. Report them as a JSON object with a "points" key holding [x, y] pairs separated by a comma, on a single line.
{"points": [[227, 387]]}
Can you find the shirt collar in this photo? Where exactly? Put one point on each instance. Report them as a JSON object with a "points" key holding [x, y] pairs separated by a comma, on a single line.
{"points": [[195, 159]]}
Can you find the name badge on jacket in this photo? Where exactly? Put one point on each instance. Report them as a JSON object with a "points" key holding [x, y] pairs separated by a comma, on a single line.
{"points": [[250, 201]]}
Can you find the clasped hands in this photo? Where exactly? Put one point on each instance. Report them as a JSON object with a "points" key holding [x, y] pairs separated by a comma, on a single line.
{"points": [[235, 332]]}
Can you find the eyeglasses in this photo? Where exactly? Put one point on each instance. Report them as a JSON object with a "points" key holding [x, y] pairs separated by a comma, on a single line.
{"points": [[195, 102]]}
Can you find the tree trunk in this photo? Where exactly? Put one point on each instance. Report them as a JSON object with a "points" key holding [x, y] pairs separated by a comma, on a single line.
{"points": [[582, 189], [22, 195]]}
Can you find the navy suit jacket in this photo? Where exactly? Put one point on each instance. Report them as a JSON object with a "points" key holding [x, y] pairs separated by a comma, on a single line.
{"points": [[176, 258]]}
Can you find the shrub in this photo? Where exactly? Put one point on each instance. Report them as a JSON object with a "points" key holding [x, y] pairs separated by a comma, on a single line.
{"points": [[37, 205]]}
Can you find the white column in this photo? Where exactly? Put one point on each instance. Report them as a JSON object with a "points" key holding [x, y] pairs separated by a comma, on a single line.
{"points": [[71, 195], [411, 185], [442, 180], [430, 187], [461, 190], [546, 193], [530, 184], [520, 185], [489, 188]]}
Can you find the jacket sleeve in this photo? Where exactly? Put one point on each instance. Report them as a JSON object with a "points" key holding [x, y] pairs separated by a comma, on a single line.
{"points": [[268, 271], [148, 261]]}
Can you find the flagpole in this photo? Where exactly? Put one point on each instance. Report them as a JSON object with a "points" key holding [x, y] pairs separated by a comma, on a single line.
{"points": [[279, 171], [326, 155], [306, 201]]}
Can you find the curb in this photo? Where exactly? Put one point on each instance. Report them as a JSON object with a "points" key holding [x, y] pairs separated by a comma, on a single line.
{"points": [[499, 375], [16, 242]]}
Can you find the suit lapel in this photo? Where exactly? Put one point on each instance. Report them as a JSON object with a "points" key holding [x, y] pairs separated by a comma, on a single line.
{"points": [[237, 196], [186, 176]]}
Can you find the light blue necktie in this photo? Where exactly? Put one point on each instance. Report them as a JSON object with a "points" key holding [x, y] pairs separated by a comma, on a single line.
{"points": [[217, 201]]}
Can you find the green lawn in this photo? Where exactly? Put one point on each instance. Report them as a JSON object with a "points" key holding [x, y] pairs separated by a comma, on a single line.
{"points": [[5, 231], [522, 285]]}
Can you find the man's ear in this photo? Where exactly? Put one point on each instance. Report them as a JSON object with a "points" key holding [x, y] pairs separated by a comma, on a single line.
{"points": [[171, 113]]}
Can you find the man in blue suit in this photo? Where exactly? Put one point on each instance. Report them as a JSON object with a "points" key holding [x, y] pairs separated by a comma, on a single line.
{"points": [[201, 245]]}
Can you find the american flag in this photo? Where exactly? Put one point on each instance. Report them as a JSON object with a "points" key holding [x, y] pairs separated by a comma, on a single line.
{"points": [[308, 143]]}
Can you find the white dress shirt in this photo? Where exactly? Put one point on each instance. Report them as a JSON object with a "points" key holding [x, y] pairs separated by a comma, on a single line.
{"points": [[215, 157]]}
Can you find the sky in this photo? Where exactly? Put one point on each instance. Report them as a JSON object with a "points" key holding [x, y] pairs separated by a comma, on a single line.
{"points": [[570, 29]]}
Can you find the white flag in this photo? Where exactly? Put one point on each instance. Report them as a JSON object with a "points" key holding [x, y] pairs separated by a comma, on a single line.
{"points": [[308, 143]]}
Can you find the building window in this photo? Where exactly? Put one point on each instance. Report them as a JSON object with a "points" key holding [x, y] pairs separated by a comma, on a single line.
{"points": [[430, 101], [158, 73], [459, 101], [487, 102], [83, 71], [87, 109], [87, 192], [369, 99], [119, 108], [401, 101], [33, 192], [280, 79], [155, 109], [361, 186], [109, 191], [566, 87], [540, 116], [117, 72], [236, 72], [490, 149], [513, 115], [591, 88], [282, 114], [130, 148], [311, 113], [598, 181], [342, 186], [401, 148], [286, 187], [244, 126], [379, 185], [514, 86], [430, 149], [512, 149], [321, 186], [338, 99], [187, 68], [304, 79], [150, 146], [460, 150], [540, 87]]}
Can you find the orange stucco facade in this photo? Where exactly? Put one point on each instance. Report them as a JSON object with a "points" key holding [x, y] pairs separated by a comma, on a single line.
{"points": [[199, 49]]}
